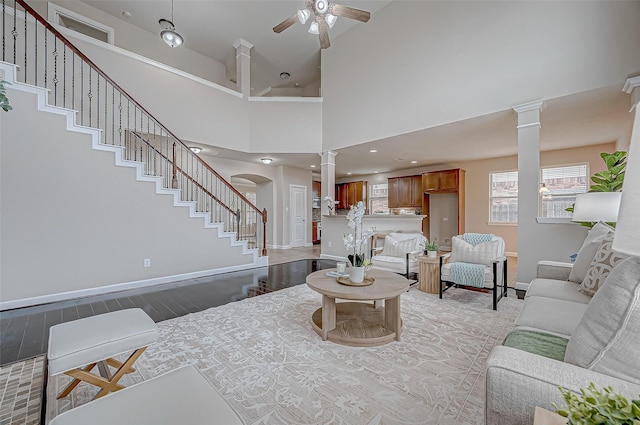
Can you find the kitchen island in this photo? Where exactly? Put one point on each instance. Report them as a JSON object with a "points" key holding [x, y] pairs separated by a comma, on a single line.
{"points": [[334, 228]]}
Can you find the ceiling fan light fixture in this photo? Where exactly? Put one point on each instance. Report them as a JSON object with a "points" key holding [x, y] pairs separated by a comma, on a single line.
{"points": [[303, 15], [331, 19], [322, 6], [266, 161], [195, 149], [313, 28]]}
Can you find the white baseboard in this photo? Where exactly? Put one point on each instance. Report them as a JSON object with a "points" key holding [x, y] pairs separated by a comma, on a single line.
{"points": [[333, 257], [101, 290], [279, 246]]}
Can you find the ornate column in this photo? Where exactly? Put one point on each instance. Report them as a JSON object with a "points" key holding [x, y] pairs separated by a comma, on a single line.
{"points": [[243, 66], [528, 186], [328, 178]]}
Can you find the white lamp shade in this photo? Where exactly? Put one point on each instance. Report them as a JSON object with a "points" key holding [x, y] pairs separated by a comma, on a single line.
{"points": [[627, 237], [313, 28], [597, 206], [303, 15]]}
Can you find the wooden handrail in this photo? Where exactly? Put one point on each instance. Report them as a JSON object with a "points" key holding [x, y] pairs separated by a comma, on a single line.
{"points": [[175, 168], [82, 56]]}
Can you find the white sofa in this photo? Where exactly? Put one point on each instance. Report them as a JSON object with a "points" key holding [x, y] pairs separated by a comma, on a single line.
{"points": [[603, 342]]}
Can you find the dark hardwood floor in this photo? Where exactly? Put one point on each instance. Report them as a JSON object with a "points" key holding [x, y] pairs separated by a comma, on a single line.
{"points": [[24, 332]]}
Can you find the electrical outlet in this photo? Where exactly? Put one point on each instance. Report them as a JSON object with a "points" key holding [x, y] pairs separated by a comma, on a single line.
{"points": [[330, 244], [447, 240], [147, 262]]}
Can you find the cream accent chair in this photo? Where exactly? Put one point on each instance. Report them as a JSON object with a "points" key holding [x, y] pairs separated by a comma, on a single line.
{"points": [[399, 252], [489, 254]]}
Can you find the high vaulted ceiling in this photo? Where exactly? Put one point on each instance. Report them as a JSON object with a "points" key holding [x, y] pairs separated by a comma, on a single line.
{"points": [[211, 28]]}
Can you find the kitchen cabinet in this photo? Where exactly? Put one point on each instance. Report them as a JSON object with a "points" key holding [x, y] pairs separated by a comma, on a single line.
{"points": [[405, 192], [439, 187], [314, 232], [350, 194], [316, 189], [446, 181]]}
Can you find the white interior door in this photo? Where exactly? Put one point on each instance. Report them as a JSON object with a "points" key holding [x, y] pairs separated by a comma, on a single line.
{"points": [[298, 214]]}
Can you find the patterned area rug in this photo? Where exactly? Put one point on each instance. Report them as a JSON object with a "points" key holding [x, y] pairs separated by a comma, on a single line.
{"points": [[263, 356]]}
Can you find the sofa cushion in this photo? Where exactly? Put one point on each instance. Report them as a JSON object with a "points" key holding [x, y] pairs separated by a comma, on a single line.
{"points": [[559, 317], [607, 339], [482, 253], [559, 289], [588, 250], [603, 262], [540, 343]]}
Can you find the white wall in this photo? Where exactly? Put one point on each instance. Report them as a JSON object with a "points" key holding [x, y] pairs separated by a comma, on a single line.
{"points": [[72, 221], [273, 195], [418, 64], [145, 43]]}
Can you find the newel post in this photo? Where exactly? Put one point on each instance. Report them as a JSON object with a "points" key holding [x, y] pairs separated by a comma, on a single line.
{"points": [[264, 232]]}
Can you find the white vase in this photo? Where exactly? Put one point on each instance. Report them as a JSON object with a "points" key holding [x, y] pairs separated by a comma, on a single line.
{"points": [[356, 274], [432, 254]]}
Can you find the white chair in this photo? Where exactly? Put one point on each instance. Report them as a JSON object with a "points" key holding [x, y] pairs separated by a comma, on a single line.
{"points": [[476, 261], [399, 252]]}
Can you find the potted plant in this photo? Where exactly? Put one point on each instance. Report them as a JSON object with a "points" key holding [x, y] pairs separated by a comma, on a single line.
{"points": [[356, 241], [431, 248], [593, 407], [609, 180], [4, 101]]}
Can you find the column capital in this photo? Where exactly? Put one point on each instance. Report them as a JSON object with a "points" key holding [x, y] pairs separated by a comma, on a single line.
{"points": [[529, 106], [631, 84], [242, 42]]}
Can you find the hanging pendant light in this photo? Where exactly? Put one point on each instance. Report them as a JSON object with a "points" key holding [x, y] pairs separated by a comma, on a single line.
{"points": [[169, 33]]}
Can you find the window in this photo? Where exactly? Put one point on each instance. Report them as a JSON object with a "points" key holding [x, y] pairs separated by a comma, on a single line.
{"points": [[503, 197], [564, 183], [379, 199], [68, 19]]}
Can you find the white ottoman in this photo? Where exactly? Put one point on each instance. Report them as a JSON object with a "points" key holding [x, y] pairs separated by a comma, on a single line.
{"points": [[182, 396], [76, 347]]}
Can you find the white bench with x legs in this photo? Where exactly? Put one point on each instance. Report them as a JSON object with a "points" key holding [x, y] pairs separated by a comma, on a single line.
{"points": [[76, 347], [182, 396]]}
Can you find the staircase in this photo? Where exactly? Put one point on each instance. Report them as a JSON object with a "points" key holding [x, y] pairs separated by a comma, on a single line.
{"points": [[37, 59]]}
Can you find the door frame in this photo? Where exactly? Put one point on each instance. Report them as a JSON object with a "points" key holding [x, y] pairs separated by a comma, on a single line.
{"points": [[303, 189]]}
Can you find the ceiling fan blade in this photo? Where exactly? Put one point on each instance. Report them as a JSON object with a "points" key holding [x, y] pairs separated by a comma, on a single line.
{"points": [[349, 12], [323, 30], [285, 24]]}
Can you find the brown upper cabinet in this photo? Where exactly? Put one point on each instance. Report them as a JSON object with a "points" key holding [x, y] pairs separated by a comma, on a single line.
{"points": [[405, 192], [350, 194], [446, 181]]}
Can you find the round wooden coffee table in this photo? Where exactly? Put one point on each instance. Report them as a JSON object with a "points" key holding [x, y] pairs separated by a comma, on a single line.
{"points": [[356, 323]]}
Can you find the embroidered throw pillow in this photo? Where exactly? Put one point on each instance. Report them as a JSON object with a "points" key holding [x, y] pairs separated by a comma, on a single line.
{"points": [[588, 250], [483, 253], [603, 262], [395, 248]]}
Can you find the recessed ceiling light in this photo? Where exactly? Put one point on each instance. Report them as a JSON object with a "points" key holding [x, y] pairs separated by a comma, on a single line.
{"points": [[266, 161], [313, 166], [373, 150], [284, 75], [349, 173], [414, 162], [195, 149], [375, 172], [399, 159], [126, 14]]}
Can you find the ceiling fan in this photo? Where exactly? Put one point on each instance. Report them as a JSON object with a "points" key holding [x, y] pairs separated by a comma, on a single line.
{"points": [[325, 14]]}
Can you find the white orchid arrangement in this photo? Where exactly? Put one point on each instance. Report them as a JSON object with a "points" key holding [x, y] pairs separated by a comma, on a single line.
{"points": [[359, 238]]}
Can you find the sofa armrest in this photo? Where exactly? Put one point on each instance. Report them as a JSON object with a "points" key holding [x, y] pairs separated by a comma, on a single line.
{"points": [[517, 381], [553, 270]]}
